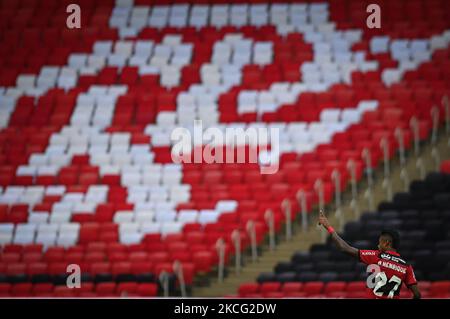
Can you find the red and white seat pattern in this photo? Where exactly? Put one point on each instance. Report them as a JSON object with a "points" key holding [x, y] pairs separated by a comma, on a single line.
{"points": [[86, 119]]}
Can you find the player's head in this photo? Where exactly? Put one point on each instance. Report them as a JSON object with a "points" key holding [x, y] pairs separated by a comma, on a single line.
{"points": [[389, 239]]}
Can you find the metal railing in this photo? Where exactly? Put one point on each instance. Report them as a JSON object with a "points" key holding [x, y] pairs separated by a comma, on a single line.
{"points": [[270, 221], [220, 247], [164, 278], [178, 270], [351, 167], [286, 208], [366, 154], [301, 198], [252, 234], [236, 239]]}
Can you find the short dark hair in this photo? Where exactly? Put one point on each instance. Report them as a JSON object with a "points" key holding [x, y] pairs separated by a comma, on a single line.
{"points": [[394, 235]]}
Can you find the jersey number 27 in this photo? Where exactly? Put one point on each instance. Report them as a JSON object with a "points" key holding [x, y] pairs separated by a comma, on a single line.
{"points": [[385, 287]]}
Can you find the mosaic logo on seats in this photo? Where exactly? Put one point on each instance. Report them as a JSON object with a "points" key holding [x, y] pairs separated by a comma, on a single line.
{"points": [[227, 145]]}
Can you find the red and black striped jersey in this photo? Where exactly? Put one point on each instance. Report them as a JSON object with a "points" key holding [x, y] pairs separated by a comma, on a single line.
{"points": [[389, 272]]}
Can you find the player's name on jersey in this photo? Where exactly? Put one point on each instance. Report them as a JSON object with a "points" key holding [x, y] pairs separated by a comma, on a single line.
{"points": [[392, 266]]}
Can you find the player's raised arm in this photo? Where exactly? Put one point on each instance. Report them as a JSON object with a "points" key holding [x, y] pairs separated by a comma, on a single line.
{"points": [[340, 243]]}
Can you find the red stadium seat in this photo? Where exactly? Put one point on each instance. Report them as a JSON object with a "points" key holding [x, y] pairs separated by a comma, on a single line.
{"points": [[105, 289], [100, 268], [86, 287], [37, 268], [42, 288], [439, 288], [5, 288], [268, 287], [126, 288], [292, 287], [64, 292], [247, 289], [21, 290], [335, 287], [147, 290], [142, 267], [313, 288], [203, 261], [356, 295]]}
